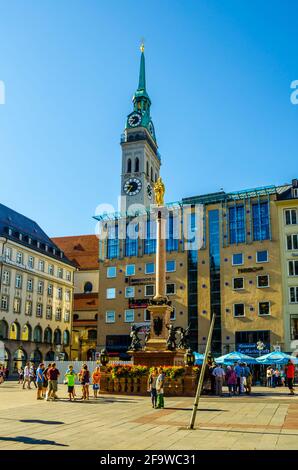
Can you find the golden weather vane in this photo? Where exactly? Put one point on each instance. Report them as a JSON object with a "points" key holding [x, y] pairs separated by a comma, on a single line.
{"points": [[142, 46]]}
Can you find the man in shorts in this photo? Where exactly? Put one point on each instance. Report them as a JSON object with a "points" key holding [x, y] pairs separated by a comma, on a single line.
{"points": [[53, 374], [70, 377], [39, 381], [96, 381]]}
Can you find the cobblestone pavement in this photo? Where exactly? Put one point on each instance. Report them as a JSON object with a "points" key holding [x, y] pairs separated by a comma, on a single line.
{"points": [[268, 419]]}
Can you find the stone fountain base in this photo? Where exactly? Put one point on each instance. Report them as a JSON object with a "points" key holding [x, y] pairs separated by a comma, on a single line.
{"points": [[158, 358]]}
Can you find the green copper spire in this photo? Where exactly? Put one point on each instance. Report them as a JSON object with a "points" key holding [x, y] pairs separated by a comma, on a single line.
{"points": [[142, 76]]}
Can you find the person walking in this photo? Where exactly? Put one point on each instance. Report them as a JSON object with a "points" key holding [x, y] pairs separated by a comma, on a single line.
{"points": [[248, 378], [39, 381], [32, 375], [152, 379], [290, 373], [84, 377], [27, 376], [240, 374], [20, 375], [231, 379], [96, 381], [160, 382], [219, 375], [52, 374], [70, 377], [46, 380]]}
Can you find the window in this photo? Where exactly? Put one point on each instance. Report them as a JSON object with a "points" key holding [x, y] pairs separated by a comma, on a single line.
{"points": [[31, 262], [68, 275], [41, 265], [130, 270], [19, 258], [149, 290], [67, 295], [264, 308], [237, 224], [172, 233], [147, 168], [19, 279], [6, 278], [171, 266], [60, 273], [293, 268], [39, 310], [292, 242], [49, 312], [262, 256], [40, 286], [110, 316], [293, 295], [239, 310], [131, 242], [237, 259], [51, 269], [59, 293], [170, 289], [16, 305], [8, 253], [173, 315], [128, 166], [58, 314], [263, 280], [129, 316], [28, 308], [150, 241], [260, 221], [137, 165], [4, 302], [50, 290], [29, 285], [112, 242], [147, 315], [111, 272], [291, 217], [294, 327], [67, 316], [88, 287], [129, 292], [111, 293], [149, 268], [238, 283]]}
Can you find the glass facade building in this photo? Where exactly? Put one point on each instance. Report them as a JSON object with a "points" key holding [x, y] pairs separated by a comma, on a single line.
{"points": [[214, 257]]}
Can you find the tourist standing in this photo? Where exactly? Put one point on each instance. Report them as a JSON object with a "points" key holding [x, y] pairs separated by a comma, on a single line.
{"points": [[52, 374], [231, 379], [152, 379], [240, 374], [248, 378], [46, 380], [96, 380], [32, 375], [84, 377], [39, 381], [21, 375], [269, 377], [70, 378], [27, 376], [219, 375], [160, 388], [290, 373]]}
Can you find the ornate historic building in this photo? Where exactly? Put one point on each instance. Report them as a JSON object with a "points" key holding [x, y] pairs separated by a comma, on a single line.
{"points": [[36, 290]]}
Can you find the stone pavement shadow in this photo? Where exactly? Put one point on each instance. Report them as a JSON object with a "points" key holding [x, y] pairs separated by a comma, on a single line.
{"points": [[190, 409], [40, 421], [31, 440]]}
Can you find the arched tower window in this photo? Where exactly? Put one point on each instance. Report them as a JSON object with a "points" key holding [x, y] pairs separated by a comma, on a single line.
{"points": [[147, 169], [137, 165], [152, 174], [129, 165]]}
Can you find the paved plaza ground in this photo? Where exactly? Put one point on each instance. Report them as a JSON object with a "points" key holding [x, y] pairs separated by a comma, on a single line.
{"points": [[268, 419]]}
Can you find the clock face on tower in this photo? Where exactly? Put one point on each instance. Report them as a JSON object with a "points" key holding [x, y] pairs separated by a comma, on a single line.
{"points": [[132, 186], [134, 120]]}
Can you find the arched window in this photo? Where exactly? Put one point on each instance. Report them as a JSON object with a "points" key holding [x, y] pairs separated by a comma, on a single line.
{"points": [[36, 357], [50, 356], [19, 358], [88, 287], [155, 177], [15, 331], [147, 169], [92, 334], [57, 336], [48, 335], [152, 174], [66, 338], [26, 333], [137, 165], [37, 334], [3, 329], [129, 165]]}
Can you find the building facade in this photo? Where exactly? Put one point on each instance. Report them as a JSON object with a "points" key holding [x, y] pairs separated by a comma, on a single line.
{"points": [[36, 288], [83, 252]]}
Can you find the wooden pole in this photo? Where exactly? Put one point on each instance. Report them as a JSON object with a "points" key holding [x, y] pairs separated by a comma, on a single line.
{"points": [[202, 374]]}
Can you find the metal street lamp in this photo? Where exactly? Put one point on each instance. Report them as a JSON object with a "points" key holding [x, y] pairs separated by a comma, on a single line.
{"points": [[189, 358], [104, 357]]}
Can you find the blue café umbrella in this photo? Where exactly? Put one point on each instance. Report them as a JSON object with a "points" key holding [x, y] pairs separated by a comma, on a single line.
{"points": [[276, 357], [199, 358], [235, 356]]}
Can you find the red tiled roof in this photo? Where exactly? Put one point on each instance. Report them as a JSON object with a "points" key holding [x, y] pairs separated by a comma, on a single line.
{"points": [[81, 250]]}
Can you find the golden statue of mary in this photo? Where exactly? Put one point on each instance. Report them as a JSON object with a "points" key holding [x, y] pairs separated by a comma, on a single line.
{"points": [[159, 191]]}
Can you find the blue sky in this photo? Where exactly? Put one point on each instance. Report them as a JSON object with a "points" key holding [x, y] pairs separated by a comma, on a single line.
{"points": [[218, 75]]}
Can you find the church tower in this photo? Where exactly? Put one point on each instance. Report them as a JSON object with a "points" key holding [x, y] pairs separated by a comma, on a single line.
{"points": [[140, 158]]}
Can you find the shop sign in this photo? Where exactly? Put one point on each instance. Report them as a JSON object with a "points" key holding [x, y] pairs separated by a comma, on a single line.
{"points": [[250, 270], [251, 349]]}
